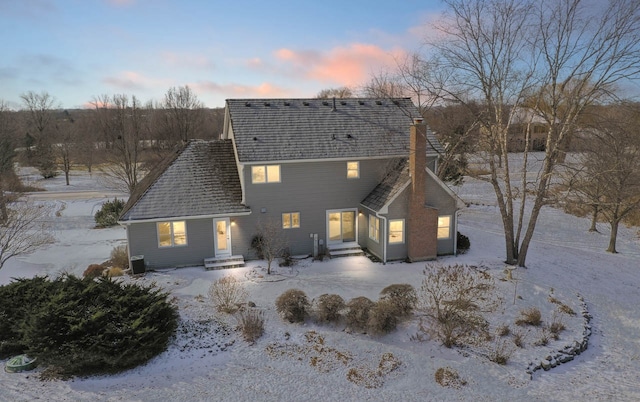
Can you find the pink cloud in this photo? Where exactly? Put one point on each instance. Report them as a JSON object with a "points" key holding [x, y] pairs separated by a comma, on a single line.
{"points": [[264, 90], [350, 65]]}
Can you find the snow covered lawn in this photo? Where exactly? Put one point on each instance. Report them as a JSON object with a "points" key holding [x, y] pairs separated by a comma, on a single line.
{"points": [[208, 360]]}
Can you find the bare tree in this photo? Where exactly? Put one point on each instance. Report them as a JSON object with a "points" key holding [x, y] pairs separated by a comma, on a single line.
{"points": [[26, 229], [270, 241], [555, 57], [342, 92], [39, 125], [607, 175], [66, 142], [182, 114], [124, 127]]}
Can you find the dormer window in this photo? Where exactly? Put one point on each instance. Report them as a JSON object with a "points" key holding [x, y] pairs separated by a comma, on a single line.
{"points": [[265, 174], [353, 170]]}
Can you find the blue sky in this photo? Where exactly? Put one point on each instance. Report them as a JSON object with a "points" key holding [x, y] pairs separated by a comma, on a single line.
{"points": [[79, 49]]}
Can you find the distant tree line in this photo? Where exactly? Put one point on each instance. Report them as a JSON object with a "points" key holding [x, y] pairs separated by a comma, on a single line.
{"points": [[120, 134]]}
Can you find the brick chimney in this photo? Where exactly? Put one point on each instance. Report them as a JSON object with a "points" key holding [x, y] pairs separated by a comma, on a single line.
{"points": [[422, 222]]}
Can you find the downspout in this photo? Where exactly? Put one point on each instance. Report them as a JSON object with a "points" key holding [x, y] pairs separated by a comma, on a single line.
{"points": [[384, 239]]}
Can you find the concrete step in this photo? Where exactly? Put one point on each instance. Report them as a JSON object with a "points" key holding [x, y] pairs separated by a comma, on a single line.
{"points": [[345, 251], [233, 261]]}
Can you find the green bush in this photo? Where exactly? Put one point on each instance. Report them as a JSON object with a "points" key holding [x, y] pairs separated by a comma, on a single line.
{"points": [[463, 243], [293, 305], [108, 215], [85, 326], [357, 316], [402, 296], [329, 307]]}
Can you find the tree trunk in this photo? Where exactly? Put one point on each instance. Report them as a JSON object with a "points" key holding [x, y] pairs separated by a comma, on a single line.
{"points": [[613, 237], [4, 215], [594, 219]]}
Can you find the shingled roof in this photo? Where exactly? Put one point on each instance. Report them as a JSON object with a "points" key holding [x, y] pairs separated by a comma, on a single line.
{"points": [[389, 188], [298, 129], [200, 179]]}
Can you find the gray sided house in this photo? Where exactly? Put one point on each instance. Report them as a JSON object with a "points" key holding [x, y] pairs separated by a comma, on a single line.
{"points": [[333, 176]]}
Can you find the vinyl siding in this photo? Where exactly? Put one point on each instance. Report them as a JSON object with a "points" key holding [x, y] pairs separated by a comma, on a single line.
{"points": [[399, 210], [311, 189], [143, 240], [439, 198]]}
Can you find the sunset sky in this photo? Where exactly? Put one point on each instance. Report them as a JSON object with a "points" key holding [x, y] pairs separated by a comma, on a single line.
{"points": [[77, 50]]}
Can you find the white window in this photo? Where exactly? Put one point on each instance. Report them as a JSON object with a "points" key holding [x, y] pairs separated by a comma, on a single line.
{"points": [[265, 174], [353, 170], [444, 227], [291, 220], [171, 234], [374, 228], [396, 231]]}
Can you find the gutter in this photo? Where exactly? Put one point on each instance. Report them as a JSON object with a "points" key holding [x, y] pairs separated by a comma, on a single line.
{"points": [[182, 218]]}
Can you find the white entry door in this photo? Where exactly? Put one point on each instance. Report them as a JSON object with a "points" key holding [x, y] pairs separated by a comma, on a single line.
{"points": [[222, 237]]}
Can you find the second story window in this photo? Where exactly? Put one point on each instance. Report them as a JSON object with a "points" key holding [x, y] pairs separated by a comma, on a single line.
{"points": [[353, 170], [265, 174]]}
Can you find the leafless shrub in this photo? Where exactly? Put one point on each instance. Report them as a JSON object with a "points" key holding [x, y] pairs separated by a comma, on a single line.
{"points": [[357, 316], [402, 296], [251, 324], [454, 299], [543, 340], [500, 352], [227, 293], [329, 307], [563, 308], [93, 271], [383, 317], [503, 330], [556, 326], [120, 257], [530, 316], [448, 377], [518, 338], [113, 272], [293, 305]]}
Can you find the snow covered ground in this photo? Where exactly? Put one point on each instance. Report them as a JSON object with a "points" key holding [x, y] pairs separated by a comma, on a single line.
{"points": [[209, 361]]}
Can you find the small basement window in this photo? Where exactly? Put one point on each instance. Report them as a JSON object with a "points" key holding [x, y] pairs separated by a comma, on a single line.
{"points": [[291, 220], [172, 234]]}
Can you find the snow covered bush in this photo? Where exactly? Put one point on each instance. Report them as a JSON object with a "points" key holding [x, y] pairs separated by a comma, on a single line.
{"points": [[402, 296], [293, 305], [383, 317], [357, 316], [227, 294], [530, 316], [109, 213], [329, 307]]}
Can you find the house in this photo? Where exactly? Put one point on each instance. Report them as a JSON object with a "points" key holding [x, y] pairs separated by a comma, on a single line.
{"points": [[335, 176]]}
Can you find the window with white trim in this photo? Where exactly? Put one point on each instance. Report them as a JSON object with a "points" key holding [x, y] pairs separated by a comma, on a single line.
{"points": [[265, 174], [172, 234], [374, 228], [353, 170], [396, 231], [291, 220], [444, 227]]}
